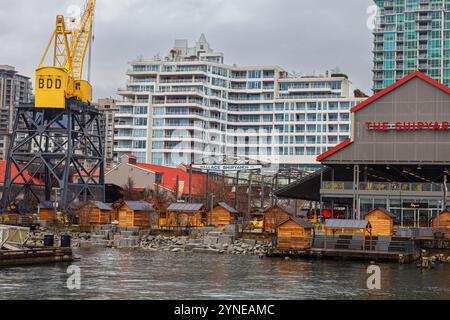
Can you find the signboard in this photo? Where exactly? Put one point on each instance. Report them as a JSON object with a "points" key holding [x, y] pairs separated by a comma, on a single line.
{"points": [[409, 126], [416, 205], [227, 167]]}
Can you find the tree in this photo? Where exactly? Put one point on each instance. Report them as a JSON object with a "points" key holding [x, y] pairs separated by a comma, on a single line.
{"points": [[359, 94], [128, 189]]}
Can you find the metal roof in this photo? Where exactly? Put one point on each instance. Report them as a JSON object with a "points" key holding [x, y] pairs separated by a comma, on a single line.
{"points": [[303, 213], [188, 207], [302, 222], [139, 205], [102, 205], [306, 188], [227, 207], [285, 209], [347, 224], [46, 205]]}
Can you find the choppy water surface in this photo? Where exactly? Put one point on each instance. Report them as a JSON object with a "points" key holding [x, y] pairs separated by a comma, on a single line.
{"points": [[123, 274]]}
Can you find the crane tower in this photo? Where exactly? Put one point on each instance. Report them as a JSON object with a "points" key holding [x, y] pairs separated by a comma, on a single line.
{"points": [[56, 148]]}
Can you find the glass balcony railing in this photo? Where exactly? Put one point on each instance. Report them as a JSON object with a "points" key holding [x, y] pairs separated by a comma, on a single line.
{"points": [[385, 186]]}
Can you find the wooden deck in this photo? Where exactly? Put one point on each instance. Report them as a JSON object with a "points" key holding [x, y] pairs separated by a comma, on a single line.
{"points": [[35, 256], [360, 255]]}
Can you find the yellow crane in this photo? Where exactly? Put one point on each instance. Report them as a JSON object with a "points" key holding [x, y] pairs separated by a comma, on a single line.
{"points": [[63, 79]]}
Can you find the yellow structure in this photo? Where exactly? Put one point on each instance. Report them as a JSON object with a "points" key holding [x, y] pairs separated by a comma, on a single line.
{"points": [[62, 80]]}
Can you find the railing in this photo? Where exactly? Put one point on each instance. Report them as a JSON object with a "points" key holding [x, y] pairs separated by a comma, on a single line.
{"points": [[358, 242], [384, 186]]}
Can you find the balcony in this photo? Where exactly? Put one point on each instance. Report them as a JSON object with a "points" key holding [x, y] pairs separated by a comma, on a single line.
{"points": [[383, 188]]}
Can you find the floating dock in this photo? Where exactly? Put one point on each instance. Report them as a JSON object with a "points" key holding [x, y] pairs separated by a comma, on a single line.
{"points": [[35, 256]]}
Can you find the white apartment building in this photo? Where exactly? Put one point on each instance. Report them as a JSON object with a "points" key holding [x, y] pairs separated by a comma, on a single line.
{"points": [[191, 107]]}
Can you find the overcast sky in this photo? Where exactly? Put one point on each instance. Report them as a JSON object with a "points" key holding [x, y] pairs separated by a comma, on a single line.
{"points": [[305, 36]]}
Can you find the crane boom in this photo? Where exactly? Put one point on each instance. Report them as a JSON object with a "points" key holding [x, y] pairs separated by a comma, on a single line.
{"points": [[62, 80], [80, 40]]}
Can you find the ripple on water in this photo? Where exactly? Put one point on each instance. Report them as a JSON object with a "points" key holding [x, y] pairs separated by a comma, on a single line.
{"points": [[138, 274]]}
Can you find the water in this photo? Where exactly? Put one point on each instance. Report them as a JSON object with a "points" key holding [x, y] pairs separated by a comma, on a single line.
{"points": [[128, 274]]}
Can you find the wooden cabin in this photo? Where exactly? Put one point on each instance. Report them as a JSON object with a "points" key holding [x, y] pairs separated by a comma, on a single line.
{"points": [[274, 216], [137, 214], [382, 222], [95, 213], [294, 234], [444, 224], [184, 215], [222, 215], [46, 211]]}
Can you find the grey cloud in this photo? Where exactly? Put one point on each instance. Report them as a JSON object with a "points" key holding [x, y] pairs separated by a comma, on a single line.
{"points": [[298, 35]]}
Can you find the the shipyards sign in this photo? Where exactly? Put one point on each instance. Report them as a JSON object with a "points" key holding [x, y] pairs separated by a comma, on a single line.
{"points": [[227, 167], [409, 126]]}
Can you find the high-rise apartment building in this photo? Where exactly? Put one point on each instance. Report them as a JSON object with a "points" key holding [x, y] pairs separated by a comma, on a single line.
{"points": [[109, 109], [15, 89], [411, 35], [190, 107]]}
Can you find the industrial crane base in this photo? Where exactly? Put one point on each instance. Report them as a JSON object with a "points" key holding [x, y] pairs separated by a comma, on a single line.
{"points": [[55, 155]]}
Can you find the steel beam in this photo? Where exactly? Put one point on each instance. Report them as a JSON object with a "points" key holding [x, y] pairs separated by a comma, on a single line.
{"points": [[55, 149]]}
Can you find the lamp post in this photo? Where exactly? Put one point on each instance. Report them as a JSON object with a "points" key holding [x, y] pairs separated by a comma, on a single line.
{"points": [[444, 205], [212, 210]]}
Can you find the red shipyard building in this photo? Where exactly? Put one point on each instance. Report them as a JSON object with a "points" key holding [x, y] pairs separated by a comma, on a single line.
{"points": [[397, 159]]}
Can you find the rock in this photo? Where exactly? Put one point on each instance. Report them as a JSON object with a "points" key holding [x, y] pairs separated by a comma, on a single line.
{"points": [[210, 241], [196, 241], [226, 239], [127, 243], [175, 250], [215, 234], [205, 250], [249, 242], [191, 247]]}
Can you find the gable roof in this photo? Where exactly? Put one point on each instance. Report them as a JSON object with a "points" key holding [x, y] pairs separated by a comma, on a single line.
{"points": [[288, 210], [347, 224], [415, 74], [382, 210], [102, 206], [446, 211], [332, 151], [227, 207], [139, 206], [300, 221], [170, 174], [187, 207], [14, 172]]}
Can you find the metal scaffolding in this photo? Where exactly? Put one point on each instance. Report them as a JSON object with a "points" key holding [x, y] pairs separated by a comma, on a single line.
{"points": [[55, 155]]}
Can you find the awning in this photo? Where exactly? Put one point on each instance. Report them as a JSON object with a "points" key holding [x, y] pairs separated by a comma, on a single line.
{"points": [[307, 188]]}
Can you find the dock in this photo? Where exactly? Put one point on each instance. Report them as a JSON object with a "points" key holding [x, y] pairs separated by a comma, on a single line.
{"points": [[35, 256], [359, 255]]}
